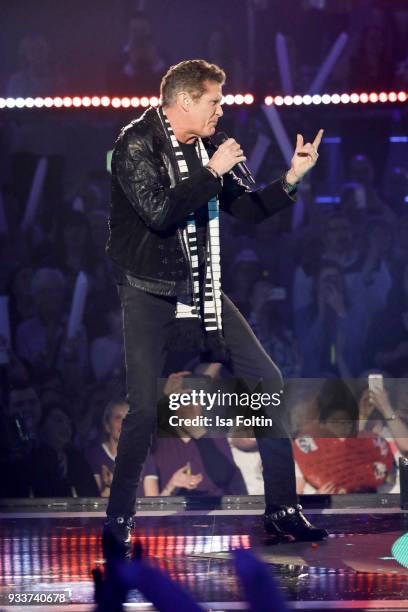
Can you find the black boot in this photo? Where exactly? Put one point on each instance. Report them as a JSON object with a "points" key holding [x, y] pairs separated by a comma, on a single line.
{"points": [[117, 538], [290, 521]]}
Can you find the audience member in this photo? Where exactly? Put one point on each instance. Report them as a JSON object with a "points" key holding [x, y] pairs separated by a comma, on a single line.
{"points": [[220, 51], [140, 67], [42, 340], [38, 74], [330, 456], [102, 457], [106, 353], [57, 468], [331, 328], [269, 320], [386, 344]]}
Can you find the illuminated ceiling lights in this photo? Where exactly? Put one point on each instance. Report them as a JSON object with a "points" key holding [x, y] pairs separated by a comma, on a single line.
{"points": [[345, 98], [230, 99]]}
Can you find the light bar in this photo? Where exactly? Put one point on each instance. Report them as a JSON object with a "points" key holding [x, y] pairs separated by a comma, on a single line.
{"points": [[229, 99], [344, 98], [104, 101]]}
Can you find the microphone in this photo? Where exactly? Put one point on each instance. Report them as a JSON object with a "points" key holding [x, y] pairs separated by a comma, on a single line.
{"points": [[243, 169]]}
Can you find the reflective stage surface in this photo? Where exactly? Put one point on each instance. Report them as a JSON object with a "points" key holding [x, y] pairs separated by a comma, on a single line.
{"points": [[53, 554]]}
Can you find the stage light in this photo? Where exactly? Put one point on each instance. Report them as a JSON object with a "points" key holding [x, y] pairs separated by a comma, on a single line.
{"points": [[230, 99]]}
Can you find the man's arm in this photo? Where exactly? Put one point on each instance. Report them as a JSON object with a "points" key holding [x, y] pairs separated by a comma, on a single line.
{"points": [[141, 178], [258, 205], [253, 206]]}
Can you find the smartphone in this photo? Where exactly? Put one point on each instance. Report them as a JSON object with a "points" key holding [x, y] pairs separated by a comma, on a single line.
{"points": [[376, 382]]}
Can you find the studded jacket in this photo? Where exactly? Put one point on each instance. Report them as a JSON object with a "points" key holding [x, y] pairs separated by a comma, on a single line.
{"points": [[150, 204]]}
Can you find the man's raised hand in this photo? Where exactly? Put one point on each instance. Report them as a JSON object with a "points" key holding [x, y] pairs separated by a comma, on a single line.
{"points": [[304, 157]]}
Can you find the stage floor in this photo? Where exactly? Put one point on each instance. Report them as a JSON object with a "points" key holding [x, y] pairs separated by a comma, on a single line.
{"points": [[53, 553]]}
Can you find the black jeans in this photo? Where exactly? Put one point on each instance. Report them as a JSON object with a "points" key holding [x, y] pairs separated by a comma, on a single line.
{"points": [[147, 319]]}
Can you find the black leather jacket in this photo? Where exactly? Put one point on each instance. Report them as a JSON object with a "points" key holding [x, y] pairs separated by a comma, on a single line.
{"points": [[150, 204]]}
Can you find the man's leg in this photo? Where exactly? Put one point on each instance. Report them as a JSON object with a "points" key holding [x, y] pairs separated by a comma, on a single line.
{"points": [[283, 516], [249, 360], [146, 321]]}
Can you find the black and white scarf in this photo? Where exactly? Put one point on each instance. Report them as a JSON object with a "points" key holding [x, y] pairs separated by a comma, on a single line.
{"points": [[209, 311]]}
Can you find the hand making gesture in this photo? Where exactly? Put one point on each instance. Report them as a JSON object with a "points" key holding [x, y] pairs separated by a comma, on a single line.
{"points": [[304, 157]]}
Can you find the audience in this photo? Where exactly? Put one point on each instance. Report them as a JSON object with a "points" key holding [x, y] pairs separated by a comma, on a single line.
{"points": [[183, 461], [328, 299]]}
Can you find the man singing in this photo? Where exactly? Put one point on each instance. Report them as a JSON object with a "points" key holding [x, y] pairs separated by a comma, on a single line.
{"points": [[168, 185]]}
